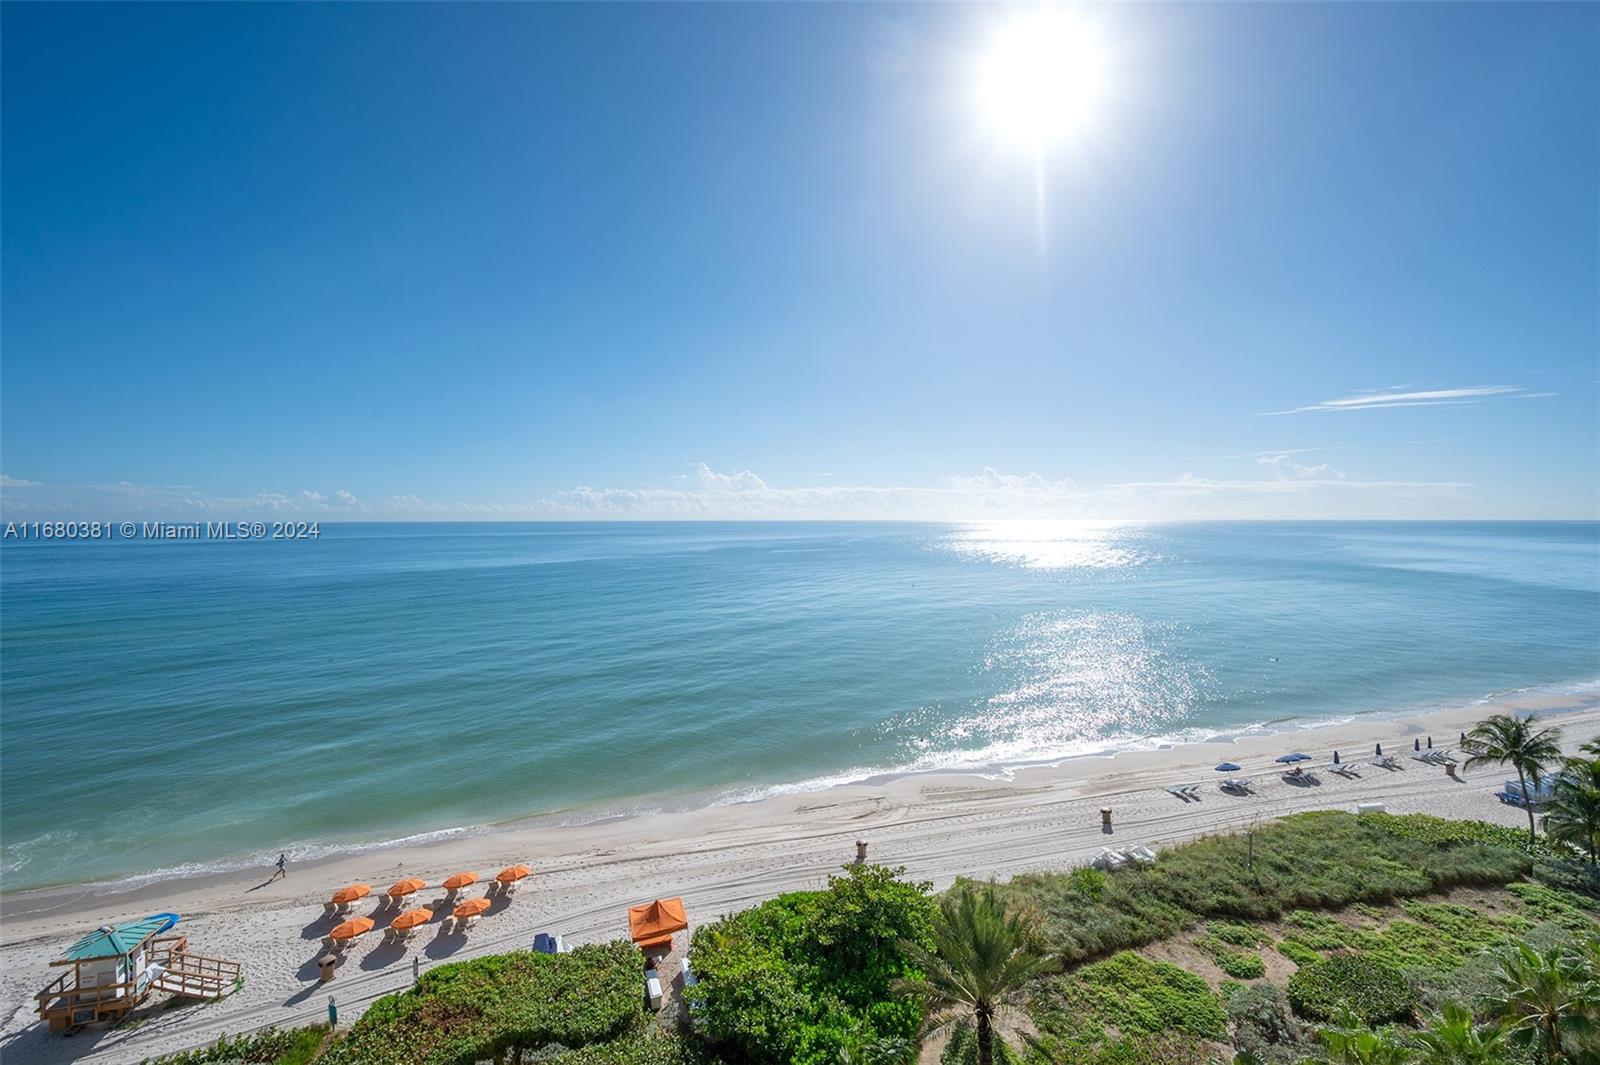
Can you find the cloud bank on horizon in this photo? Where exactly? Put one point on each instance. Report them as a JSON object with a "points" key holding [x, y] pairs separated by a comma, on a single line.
{"points": [[1292, 490]]}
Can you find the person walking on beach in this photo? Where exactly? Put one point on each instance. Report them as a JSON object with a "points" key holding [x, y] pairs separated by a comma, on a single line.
{"points": [[283, 866]]}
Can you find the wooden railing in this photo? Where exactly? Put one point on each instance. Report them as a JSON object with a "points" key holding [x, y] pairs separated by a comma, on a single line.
{"points": [[196, 976]]}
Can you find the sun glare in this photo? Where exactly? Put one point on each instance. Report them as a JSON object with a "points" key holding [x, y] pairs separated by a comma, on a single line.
{"points": [[1042, 78]]}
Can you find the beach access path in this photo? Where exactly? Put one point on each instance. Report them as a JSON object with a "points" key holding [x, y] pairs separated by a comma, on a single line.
{"points": [[719, 859]]}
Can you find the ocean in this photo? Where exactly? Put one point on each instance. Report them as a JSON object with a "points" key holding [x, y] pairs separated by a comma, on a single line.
{"points": [[184, 706]]}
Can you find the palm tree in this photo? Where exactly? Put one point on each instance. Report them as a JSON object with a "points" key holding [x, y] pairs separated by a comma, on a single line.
{"points": [[1451, 1038], [983, 958], [1508, 739], [1574, 812], [1363, 1046], [1545, 998]]}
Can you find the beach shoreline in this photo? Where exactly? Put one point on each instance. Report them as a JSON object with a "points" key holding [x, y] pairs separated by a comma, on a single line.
{"points": [[1554, 698], [724, 857]]}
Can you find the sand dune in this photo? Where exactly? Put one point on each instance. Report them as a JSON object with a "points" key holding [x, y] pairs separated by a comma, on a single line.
{"points": [[719, 859]]}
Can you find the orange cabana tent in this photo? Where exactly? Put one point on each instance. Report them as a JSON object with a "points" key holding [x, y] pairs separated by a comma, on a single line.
{"points": [[652, 924]]}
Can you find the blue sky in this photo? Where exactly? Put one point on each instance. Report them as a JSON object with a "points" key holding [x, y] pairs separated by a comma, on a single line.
{"points": [[670, 261]]}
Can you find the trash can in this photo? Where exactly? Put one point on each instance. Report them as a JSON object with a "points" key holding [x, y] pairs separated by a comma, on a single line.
{"points": [[325, 967], [1105, 816], [861, 850]]}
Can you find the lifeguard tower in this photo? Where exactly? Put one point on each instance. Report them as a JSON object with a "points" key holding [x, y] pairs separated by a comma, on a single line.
{"points": [[113, 969]]}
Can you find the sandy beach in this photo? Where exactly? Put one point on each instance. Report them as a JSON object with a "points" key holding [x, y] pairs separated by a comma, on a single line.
{"points": [[718, 859]]}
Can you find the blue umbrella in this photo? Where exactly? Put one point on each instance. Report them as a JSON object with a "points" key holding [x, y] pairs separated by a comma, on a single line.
{"points": [[1416, 745], [1227, 767], [1377, 750], [1295, 757]]}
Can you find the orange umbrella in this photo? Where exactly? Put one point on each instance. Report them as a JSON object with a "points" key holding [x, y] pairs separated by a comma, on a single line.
{"points": [[409, 886], [472, 907], [356, 926], [412, 918], [512, 873], [351, 892], [460, 880]]}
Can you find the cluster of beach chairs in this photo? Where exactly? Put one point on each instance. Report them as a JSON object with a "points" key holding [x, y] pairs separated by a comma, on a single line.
{"points": [[1293, 773], [1121, 857]]}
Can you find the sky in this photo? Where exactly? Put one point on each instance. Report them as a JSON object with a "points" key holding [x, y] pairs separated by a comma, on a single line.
{"points": [[799, 261]]}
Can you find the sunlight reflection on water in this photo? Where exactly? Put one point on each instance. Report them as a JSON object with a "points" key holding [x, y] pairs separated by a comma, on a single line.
{"points": [[1052, 543]]}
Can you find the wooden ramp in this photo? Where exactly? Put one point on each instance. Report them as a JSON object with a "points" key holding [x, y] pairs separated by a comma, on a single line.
{"points": [[196, 976]]}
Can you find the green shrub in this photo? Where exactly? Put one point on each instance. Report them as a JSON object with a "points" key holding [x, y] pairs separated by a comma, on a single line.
{"points": [[1238, 935], [1469, 983], [1298, 952], [1263, 1028], [1570, 910], [1578, 877], [1241, 965], [272, 1046], [1128, 992], [1373, 990], [1165, 1048], [810, 975], [468, 1011], [1320, 860]]}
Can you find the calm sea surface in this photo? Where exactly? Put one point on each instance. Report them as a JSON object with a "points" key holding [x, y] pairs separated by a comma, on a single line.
{"points": [[167, 705]]}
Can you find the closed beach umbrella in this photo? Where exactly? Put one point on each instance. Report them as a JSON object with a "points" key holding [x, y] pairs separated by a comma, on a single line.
{"points": [[1377, 750], [471, 908], [1227, 767], [1430, 743], [351, 892], [1463, 739], [356, 926], [412, 918], [460, 880], [512, 873], [409, 886], [1335, 757], [1416, 745]]}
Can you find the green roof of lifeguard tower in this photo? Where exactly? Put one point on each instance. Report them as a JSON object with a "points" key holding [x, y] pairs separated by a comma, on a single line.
{"points": [[113, 941]]}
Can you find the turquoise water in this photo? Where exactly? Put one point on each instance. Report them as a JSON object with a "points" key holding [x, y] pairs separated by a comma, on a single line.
{"points": [[190, 705]]}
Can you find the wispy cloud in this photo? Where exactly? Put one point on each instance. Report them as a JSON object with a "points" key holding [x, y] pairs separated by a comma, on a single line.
{"points": [[15, 482], [1383, 399], [1284, 466]]}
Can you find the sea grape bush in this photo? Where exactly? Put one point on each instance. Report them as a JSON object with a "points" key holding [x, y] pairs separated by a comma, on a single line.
{"points": [[810, 976], [1371, 989], [484, 1008]]}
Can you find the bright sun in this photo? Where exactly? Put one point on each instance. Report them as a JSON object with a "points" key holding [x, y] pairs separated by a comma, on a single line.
{"points": [[1042, 79]]}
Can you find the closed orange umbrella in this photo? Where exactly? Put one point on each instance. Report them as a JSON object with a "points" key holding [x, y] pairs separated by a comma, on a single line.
{"points": [[472, 907], [460, 880], [356, 926], [351, 892], [512, 873], [409, 886], [412, 918]]}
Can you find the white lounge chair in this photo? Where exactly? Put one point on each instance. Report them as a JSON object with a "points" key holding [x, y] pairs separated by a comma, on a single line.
{"points": [[1142, 854], [652, 989], [689, 978]]}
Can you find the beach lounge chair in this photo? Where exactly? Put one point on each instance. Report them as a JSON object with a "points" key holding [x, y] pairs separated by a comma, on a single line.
{"points": [[1109, 858], [652, 989], [1178, 790], [545, 943], [1142, 854]]}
